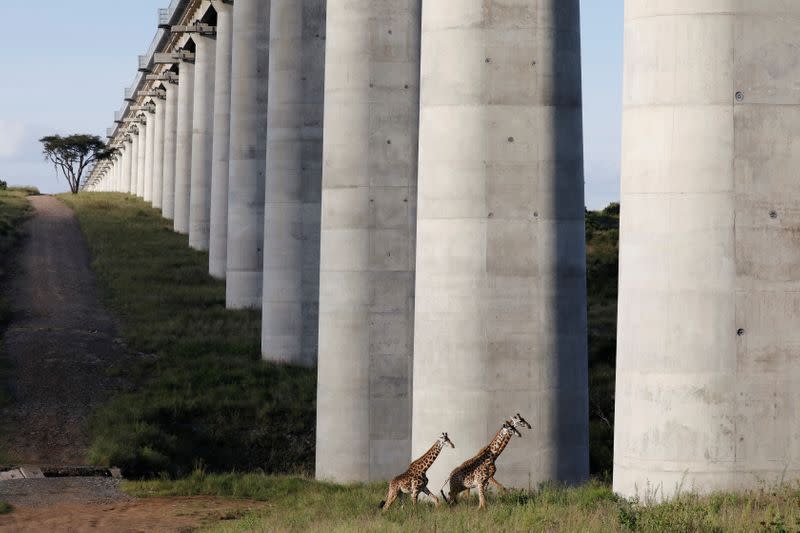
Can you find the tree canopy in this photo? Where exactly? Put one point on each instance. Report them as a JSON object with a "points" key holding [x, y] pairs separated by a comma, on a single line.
{"points": [[73, 155]]}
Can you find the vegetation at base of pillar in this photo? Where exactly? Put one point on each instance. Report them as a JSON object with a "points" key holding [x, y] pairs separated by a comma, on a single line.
{"points": [[602, 266], [297, 504], [5, 508], [75, 155], [201, 394]]}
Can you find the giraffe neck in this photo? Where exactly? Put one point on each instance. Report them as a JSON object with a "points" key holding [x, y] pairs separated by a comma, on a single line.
{"points": [[499, 442], [429, 457]]}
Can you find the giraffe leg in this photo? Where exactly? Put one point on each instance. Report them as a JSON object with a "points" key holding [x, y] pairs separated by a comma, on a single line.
{"points": [[414, 496], [482, 495], [434, 498], [497, 484], [390, 498]]}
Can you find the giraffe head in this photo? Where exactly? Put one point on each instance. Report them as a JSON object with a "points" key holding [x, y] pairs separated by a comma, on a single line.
{"points": [[509, 429], [444, 439], [518, 422]]}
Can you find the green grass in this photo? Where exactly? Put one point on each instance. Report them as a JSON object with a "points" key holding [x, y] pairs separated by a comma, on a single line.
{"points": [[298, 504], [5, 508], [202, 396]]}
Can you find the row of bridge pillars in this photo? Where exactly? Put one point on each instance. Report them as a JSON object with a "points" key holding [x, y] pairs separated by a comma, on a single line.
{"points": [[398, 186], [412, 240]]}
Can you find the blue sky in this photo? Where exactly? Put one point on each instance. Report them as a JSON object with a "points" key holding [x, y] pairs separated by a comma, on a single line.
{"points": [[66, 64]]}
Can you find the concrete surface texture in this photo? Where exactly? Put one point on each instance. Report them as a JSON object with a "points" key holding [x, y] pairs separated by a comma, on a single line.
{"points": [[141, 155], [501, 320], [708, 378], [218, 233], [293, 181], [183, 146], [134, 161], [170, 151], [367, 239], [249, 92], [148, 157], [158, 154], [202, 143]]}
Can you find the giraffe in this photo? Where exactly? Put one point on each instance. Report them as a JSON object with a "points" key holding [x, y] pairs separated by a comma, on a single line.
{"points": [[414, 480], [479, 471]]}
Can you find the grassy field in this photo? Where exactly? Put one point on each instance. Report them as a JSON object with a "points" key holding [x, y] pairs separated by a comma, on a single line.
{"points": [[201, 395], [297, 504]]}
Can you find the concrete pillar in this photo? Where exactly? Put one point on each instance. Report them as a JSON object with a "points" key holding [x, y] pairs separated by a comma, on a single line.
{"points": [[183, 146], [170, 151], [148, 156], [249, 91], [135, 162], [202, 142], [127, 160], [708, 378], [141, 164], [218, 230], [293, 182], [367, 240], [158, 154], [501, 267]]}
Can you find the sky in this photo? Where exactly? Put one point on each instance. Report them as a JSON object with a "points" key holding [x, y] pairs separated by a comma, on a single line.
{"points": [[66, 65]]}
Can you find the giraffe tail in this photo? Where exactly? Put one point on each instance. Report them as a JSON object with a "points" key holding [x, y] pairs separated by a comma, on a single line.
{"points": [[380, 505], [448, 502]]}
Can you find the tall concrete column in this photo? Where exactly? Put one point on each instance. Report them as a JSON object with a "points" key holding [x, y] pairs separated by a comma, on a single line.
{"points": [[148, 156], [218, 230], [141, 164], [708, 374], [127, 159], [249, 91], [202, 142], [170, 152], [368, 240], [293, 182], [183, 146], [501, 267], [158, 154], [135, 162]]}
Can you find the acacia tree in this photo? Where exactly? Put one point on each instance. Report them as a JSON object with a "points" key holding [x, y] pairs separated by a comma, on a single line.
{"points": [[74, 154]]}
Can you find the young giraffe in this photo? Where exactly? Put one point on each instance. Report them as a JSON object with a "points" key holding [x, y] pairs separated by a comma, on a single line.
{"points": [[479, 471], [414, 480]]}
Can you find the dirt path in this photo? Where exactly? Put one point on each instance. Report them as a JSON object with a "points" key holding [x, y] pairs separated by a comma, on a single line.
{"points": [[60, 343], [151, 515]]}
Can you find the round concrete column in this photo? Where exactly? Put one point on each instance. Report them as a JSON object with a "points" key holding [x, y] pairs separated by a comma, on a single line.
{"points": [[183, 146], [708, 374], [501, 268], [294, 178], [141, 163], [367, 240], [135, 163], [202, 142], [249, 90], [127, 161], [158, 155], [170, 150], [218, 231], [149, 157]]}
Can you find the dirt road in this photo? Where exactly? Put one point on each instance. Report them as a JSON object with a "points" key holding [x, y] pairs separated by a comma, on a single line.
{"points": [[60, 343]]}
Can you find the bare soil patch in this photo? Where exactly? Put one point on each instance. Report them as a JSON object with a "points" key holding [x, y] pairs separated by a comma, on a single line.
{"points": [[149, 515]]}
